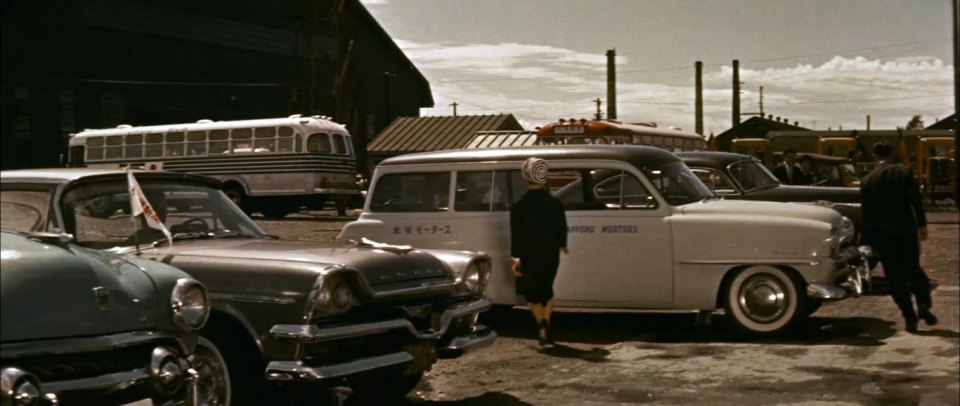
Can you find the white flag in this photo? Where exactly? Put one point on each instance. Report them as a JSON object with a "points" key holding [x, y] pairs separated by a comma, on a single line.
{"points": [[139, 205]]}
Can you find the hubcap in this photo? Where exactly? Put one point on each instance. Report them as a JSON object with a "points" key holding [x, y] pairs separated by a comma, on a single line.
{"points": [[211, 385], [763, 298]]}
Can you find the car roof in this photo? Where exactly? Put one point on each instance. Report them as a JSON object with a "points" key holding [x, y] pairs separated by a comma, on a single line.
{"points": [[711, 158], [636, 155], [67, 175]]}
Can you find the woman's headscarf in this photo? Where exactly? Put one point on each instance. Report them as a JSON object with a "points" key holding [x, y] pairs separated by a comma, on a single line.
{"points": [[534, 170]]}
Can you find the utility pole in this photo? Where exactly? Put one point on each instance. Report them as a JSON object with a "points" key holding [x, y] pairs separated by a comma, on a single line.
{"points": [[454, 104], [698, 104], [612, 84], [761, 101], [736, 93], [599, 115]]}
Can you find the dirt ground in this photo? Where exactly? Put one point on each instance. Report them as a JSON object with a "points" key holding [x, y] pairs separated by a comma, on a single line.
{"points": [[853, 352]]}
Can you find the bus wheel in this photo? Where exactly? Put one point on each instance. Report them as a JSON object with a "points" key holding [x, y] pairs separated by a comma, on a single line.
{"points": [[236, 195]]}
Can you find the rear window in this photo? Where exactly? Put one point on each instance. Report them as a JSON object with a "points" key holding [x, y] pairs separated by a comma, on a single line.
{"points": [[411, 192]]}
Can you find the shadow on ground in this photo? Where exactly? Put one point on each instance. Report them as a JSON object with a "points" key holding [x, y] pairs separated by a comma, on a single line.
{"points": [[486, 399], [613, 327]]}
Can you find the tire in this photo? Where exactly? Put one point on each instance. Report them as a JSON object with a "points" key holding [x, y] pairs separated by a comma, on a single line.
{"points": [[236, 194], [214, 385], [275, 211], [762, 300], [101, 207]]}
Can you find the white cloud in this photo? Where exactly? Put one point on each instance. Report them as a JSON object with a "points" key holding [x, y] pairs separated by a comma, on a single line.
{"points": [[539, 84]]}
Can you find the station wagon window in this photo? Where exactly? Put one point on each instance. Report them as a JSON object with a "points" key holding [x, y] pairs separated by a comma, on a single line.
{"points": [[599, 189], [411, 192], [487, 190], [716, 181]]}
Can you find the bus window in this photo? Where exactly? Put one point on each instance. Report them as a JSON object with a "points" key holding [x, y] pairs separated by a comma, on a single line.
{"points": [[285, 142], [339, 147], [218, 142], [298, 143], [657, 141], [196, 143], [241, 140], [265, 139], [349, 142], [318, 142], [154, 146], [94, 148], [174, 144], [134, 148], [114, 147]]}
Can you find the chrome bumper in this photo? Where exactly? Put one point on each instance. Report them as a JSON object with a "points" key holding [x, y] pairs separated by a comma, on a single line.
{"points": [[449, 347], [858, 282]]}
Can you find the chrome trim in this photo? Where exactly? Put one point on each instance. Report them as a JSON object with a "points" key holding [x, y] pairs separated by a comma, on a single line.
{"points": [[87, 344], [771, 261], [414, 291], [158, 374], [309, 333], [252, 298], [291, 370], [9, 379], [825, 292], [481, 337], [176, 303]]}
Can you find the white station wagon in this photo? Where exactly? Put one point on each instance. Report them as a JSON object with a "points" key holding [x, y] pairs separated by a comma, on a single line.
{"points": [[644, 232]]}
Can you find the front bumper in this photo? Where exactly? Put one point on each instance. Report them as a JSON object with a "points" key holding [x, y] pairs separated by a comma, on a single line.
{"points": [[448, 343], [851, 262], [81, 370]]}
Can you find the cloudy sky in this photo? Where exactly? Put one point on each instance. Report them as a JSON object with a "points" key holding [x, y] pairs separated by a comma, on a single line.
{"points": [[824, 63]]}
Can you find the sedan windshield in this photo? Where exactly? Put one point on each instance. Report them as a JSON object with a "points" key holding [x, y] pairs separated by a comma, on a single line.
{"points": [[98, 214], [677, 184], [752, 175]]}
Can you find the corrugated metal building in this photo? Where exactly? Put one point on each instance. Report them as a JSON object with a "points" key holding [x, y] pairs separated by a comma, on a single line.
{"points": [[75, 64], [502, 139], [420, 134]]}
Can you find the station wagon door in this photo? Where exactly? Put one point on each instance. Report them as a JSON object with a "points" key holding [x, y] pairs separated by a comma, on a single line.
{"points": [[620, 242]]}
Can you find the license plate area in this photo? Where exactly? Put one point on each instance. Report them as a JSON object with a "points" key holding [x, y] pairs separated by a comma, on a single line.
{"points": [[424, 356]]}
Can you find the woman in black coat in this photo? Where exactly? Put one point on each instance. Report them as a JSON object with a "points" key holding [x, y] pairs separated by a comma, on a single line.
{"points": [[538, 233]]}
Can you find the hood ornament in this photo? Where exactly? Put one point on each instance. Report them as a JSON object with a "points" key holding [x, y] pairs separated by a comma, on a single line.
{"points": [[397, 249], [102, 296]]}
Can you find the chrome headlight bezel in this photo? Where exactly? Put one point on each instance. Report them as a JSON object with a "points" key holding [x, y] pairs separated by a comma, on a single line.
{"points": [[331, 295], [189, 304], [476, 276]]}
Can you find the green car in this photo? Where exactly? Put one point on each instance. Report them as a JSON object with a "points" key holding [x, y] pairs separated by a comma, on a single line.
{"points": [[85, 326]]}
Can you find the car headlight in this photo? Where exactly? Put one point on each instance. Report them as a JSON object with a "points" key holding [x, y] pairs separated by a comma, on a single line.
{"points": [[190, 304], [331, 295], [846, 231], [476, 276]]}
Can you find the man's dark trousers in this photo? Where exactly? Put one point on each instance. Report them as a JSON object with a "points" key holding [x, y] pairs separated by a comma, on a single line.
{"points": [[900, 255]]}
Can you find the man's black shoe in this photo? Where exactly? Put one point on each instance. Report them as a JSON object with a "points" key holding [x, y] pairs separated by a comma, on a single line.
{"points": [[928, 318], [911, 326]]}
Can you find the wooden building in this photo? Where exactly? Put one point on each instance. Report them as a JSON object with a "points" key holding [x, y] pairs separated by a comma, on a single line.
{"points": [[75, 64]]}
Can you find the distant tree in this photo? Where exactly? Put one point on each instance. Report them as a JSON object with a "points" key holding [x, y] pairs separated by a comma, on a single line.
{"points": [[916, 123]]}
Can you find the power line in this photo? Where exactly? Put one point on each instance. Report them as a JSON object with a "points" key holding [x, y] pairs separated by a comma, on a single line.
{"points": [[864, 100]]}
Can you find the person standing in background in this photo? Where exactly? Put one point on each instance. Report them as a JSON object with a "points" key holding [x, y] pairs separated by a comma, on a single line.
{"points": [[787, 171], [894, 224], [538, 233]]}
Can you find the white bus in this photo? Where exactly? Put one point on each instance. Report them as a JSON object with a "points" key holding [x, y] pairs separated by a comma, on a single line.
{"points": [[271, 166]]}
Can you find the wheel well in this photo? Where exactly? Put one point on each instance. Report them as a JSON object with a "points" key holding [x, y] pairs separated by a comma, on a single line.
{"points": [[232, 184], [231, 336], [792, 273]]}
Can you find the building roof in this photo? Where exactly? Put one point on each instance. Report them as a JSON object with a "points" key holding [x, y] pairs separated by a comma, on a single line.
{"points": [[949, 123], [502, 139], [418, 134]]}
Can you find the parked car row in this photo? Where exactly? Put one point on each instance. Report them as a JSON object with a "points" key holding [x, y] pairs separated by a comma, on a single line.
{"points": [[227, 314], [257, 313]]}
